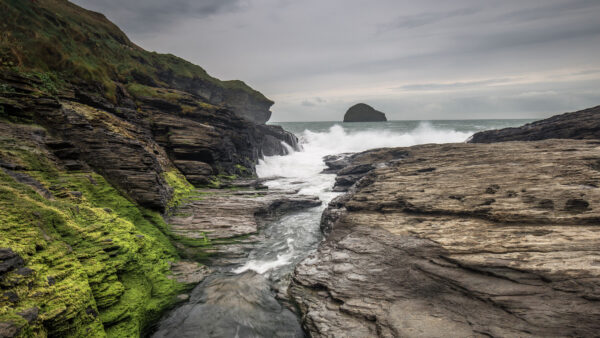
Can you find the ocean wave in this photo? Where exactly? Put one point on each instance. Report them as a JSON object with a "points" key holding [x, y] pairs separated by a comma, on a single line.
{"points": [[308, 162]]}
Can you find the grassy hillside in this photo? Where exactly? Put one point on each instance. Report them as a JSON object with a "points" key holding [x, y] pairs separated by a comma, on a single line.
{"points": [[62, 42]]}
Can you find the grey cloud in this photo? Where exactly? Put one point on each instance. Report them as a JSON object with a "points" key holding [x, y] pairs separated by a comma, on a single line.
{"points": [[547, 11], [422, 19], [141, 16], [313, 102], [454, 85]]}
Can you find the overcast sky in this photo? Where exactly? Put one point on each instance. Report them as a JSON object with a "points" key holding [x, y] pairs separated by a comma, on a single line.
{"points": [[410, 59]]}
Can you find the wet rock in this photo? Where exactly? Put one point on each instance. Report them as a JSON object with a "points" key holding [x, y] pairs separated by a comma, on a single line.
{"points": [[356, 166], [24, 272], [11, 296], [188, 272], [430, 254], [276, 140], [583, 124], [336, 162], [231, 306], [9, 261]]}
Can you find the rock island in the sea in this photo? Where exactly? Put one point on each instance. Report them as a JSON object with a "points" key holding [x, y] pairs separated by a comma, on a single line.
{"points": [[362, 112]]}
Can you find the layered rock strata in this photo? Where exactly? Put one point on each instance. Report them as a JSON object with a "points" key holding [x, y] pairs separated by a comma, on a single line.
{"points": [[135, 148], [461, 240]]}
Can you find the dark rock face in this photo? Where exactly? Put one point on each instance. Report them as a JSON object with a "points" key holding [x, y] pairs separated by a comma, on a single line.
{"points": [[352, 167], [9, 261], [362, 112], [583, 124], [460, 240], [273, 138]]}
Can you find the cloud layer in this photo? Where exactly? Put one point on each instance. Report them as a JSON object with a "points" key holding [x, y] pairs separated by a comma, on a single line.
{"points": [[412, 60]]}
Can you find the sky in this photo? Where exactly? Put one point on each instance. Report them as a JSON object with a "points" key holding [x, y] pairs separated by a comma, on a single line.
{"points": [[413, 60]]}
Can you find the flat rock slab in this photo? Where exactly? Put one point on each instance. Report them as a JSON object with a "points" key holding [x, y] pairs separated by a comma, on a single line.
{"points": [[462, 240]]}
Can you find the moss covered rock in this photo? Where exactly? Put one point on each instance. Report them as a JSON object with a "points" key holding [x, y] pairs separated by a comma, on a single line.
{"points": [[77, 258]]}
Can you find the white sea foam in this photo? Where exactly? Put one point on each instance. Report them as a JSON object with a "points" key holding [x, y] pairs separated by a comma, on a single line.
{"points": [[308, 163]]}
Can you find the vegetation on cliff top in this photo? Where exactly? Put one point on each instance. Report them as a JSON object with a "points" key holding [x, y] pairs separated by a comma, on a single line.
{"points": [[63, 41]]}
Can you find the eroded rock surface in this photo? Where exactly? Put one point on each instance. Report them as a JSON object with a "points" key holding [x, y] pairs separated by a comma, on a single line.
{"points": [[461, 240], [583, 124]]}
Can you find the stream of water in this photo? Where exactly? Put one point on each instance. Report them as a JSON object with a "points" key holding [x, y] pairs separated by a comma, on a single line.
{"points": [[241, 302]]}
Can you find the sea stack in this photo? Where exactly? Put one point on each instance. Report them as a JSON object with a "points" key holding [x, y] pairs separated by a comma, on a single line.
{"points": [[362, 112]]}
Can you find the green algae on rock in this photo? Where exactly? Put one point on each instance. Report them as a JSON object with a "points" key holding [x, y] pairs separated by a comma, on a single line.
{"points": [[92, 263]]}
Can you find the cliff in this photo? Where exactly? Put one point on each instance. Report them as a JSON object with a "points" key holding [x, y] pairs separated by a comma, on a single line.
{"points": [[583, 124], [66, 43], [98, 140], [362, 112], [459, 240]]}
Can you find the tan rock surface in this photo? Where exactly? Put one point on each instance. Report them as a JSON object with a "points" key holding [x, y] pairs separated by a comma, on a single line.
{"points": [[230, 219], [462, 240]]}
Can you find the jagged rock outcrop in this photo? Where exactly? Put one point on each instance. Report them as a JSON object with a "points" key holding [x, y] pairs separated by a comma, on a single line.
{"points": [[583, 124], [461, 240], [362, 112]]}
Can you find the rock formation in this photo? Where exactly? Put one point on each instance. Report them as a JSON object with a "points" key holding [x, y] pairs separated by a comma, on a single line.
{"points": [[460, 240], [362, 112], [583, 124]]}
